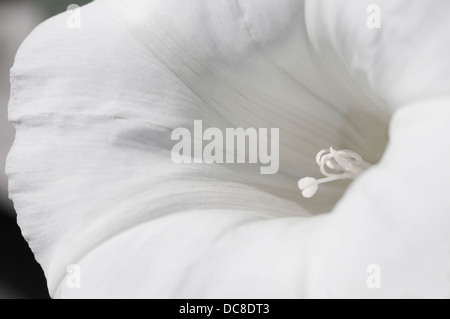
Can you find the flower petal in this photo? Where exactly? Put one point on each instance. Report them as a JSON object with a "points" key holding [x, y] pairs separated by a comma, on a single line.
{"points": [[91, 157], [93, 183]]}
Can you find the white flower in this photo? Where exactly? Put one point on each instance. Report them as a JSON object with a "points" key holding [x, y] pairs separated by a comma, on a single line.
{"points": [[93, 184]]}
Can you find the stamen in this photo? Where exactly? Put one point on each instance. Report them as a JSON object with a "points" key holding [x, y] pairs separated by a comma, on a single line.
{"points": [[335, 165]]}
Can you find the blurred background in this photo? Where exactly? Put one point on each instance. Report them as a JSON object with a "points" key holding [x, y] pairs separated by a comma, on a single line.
{"points": [[20, 275]]}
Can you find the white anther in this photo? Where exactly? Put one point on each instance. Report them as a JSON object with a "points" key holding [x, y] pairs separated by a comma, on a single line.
{"points": [[335, 165]]}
